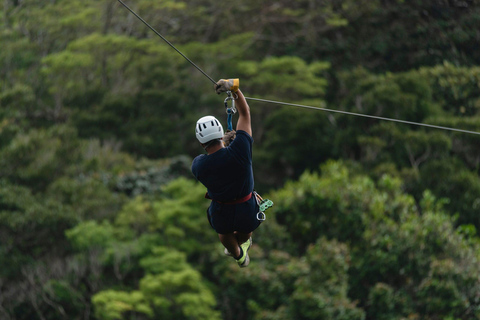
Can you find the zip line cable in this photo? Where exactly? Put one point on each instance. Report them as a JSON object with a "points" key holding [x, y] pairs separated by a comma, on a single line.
{"points": [[294, 104], [364, 115]]}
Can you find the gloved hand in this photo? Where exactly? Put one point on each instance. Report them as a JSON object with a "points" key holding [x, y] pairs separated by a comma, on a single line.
{"points": [[227, 85], [229, 137]]}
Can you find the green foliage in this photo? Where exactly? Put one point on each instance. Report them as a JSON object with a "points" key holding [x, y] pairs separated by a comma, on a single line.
{"points": [[455, 88], [415, 95], [177, 218], [440, 292], [106, 72], [293, 141], [37, 157], [282, 286], [111, 304], [18, 54], [30, 228], [90, 234], [405, 96], [393, 257], [102, 159], [17, 103], [381, 302], [321, 209], [149, 178], [96, 114], [65, 296], [181, 217], [397, 256], [322, 292], [286, 74], [170, 289], [465, 146], [284, 131], [372, 40], [89, 198], [164, 259], [460, 186], [179, 294]]}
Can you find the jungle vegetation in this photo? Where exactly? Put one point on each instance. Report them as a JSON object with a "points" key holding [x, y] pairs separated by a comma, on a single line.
{"points": [[100, 217]]}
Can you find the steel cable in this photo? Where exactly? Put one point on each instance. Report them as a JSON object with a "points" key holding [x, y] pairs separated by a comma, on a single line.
{"points": [[294, 104], [364, 115]]}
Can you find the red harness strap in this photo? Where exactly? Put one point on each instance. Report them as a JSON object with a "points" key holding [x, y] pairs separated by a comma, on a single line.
{"points": [[240, 200]]}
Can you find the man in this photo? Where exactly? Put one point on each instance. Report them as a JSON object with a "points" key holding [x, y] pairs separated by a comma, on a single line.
{"points": [[227, 173]]}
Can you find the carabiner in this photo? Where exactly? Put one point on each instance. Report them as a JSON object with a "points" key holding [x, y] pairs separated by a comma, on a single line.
{"points": [[261, 216], [232, 109]]}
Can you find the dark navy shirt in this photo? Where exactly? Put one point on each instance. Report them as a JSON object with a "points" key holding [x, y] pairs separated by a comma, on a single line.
{"points": [[227, 173]]}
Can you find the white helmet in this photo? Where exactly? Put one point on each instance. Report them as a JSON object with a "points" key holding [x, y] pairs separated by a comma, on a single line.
{"points": [[208, 128]]}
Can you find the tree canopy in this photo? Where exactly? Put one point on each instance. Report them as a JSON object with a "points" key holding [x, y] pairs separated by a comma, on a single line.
{"points": [[101, 219]]}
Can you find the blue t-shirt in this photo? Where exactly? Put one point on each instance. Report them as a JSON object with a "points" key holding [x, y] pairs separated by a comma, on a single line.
{"points": [[227, 173]]}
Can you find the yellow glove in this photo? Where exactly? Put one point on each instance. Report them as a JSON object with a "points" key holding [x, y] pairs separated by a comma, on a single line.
{"points": [[227, 85]]}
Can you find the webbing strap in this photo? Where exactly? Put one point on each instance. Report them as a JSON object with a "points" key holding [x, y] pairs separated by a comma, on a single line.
{"points": [[240, 200]]}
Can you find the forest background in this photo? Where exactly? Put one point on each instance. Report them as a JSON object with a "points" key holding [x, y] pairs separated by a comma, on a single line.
{"points": [[100, 217]]}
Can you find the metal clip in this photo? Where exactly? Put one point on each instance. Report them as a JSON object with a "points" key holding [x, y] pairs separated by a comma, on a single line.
{"points": [[261, 216], [232, 109]]}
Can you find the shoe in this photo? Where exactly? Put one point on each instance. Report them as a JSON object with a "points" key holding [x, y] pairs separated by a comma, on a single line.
{"points": [[227, 253], [245, 259]]}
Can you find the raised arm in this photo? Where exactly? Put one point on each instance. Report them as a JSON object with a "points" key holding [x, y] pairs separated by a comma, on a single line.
{"points": [[244, 121]]}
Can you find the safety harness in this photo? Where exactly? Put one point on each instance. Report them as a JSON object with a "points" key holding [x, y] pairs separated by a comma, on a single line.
{"points": [[236, 201], [263, 204]]}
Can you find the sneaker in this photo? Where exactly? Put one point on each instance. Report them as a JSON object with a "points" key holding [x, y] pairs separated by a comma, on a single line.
{"points": [[227, 253], [245, 259], [250, 242]]}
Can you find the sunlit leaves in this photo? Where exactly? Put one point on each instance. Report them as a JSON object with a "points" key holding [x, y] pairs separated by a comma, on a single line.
{"points": [[289, 76], [171, 288], [111, 304]]}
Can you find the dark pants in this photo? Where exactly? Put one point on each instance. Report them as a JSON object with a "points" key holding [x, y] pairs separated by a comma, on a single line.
{"points": [[227, 218]]}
